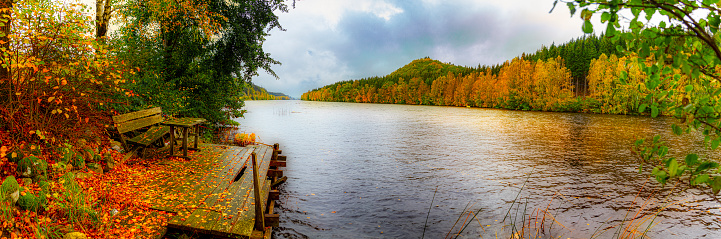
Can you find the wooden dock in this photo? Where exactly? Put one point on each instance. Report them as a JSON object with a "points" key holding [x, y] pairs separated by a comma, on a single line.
{"points": [[220, 189]]}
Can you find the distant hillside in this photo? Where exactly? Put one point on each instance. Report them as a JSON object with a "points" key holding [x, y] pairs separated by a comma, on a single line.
{"points": [[255, 92], [577, 76]]}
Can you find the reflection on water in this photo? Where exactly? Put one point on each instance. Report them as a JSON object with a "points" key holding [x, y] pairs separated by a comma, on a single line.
{"points": [[370, 170]]}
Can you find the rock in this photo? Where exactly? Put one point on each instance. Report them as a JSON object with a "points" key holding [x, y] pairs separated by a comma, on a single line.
{"points": [[109, 162], [81, 175], [75, 235], [28, 201], [26, 181], [115, 145], [81, 144], [96, 168], [32, 166], [11, 188]]}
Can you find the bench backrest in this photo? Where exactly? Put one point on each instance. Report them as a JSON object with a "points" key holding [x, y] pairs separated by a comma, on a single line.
{"points": [[136, 120]]}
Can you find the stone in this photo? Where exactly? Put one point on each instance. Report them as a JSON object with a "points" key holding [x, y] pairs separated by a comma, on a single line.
{"points": [[96, 168], [81, 144], [115, 145], [81, 175], [26, 181], [75, 235], [11, 188]]}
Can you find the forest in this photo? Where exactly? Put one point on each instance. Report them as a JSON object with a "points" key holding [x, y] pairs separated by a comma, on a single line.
{"points": [[255, 92], [587, 74]]}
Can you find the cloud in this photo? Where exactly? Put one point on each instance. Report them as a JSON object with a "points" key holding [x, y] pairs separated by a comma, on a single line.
{"points": [[330, 41]]}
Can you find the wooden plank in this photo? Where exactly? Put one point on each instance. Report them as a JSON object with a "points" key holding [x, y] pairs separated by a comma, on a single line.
{"points": [[185, 122], [274, 194], [259, 220], [206, 219], [277, 163], [150, 136], [170, 189], [139, 123], [281, 158], [199, 191], [177, 190], [272, 220], [245, 221], [137, 114], [275, 173], [240, 192]]}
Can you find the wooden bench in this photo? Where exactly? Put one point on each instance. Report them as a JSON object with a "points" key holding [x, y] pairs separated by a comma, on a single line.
{"points": [[131, 128]]}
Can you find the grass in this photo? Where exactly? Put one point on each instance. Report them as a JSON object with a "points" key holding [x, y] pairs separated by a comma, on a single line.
{"points": [[522, 222]]}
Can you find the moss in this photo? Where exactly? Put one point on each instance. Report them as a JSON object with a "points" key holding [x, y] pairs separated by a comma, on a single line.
{"points": [[29, 201], [9, 186], [32, 166], [78, 161]]}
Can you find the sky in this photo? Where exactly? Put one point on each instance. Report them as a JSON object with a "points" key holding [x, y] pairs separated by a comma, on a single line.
{"points": [[327, 41]]}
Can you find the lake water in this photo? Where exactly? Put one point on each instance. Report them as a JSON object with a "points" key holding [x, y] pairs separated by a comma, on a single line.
{"points": [[372, 170]]}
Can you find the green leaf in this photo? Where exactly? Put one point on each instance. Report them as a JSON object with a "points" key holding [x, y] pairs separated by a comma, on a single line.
{"points": [[705, 166], [605, 16], [714, 143], [691, 159], [716, 184], [676, 129], [673, 168], [689, 88], [639, 142], [703, 178], [571, 7], [587, 27], [610, 30], [642, 108], [654, 111]]}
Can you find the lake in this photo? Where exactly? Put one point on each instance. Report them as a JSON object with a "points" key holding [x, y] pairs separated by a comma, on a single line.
{"points": [[372, 171]]}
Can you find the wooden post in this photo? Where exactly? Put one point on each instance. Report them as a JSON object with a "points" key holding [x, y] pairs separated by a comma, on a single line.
{"points": [[185, 142], [172, 140], [197, 132], [259, 213]]}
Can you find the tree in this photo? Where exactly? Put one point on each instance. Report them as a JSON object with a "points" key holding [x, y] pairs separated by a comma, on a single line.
{"points": [[103, 11], [195, 56], [679, 58]]}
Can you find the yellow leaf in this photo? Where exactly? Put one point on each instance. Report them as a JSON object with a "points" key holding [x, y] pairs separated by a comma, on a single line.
{"points": [[54, 111], [67, 116], [51, 98]]}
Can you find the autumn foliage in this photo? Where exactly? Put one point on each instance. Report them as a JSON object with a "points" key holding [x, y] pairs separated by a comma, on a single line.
{"points": [[520, 84], [57, 85]]}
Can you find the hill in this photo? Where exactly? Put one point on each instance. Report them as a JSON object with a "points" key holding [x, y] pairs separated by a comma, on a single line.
{"points": [[254, 92]]}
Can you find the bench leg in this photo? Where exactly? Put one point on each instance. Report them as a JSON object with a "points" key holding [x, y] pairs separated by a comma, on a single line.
{"points": [[185, 142], [197, 132], [172, 140]]}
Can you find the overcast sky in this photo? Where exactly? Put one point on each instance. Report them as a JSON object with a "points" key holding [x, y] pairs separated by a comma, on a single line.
{"points": [[334, 40]]}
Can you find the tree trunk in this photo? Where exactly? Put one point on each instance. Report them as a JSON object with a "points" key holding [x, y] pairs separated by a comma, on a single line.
{"points": [[103, 11]]}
